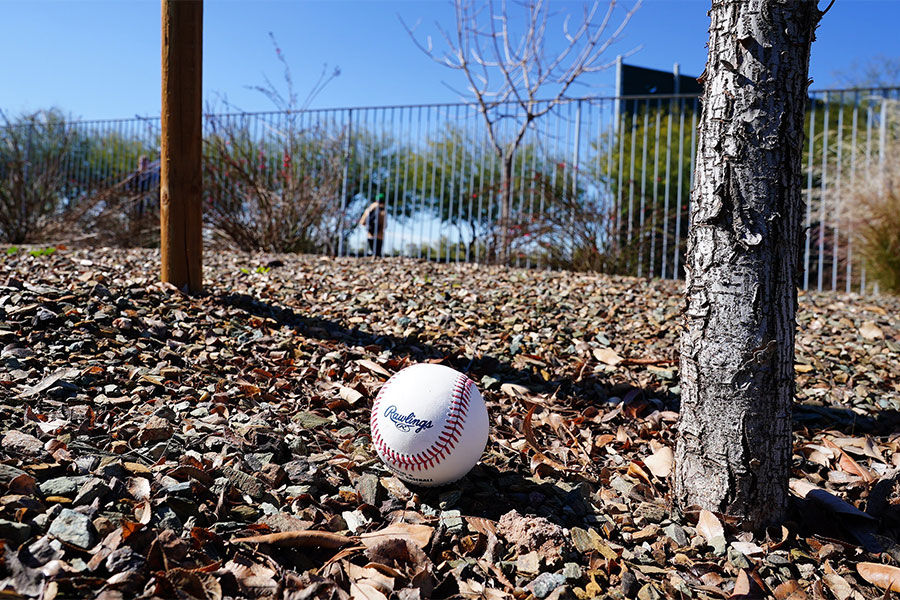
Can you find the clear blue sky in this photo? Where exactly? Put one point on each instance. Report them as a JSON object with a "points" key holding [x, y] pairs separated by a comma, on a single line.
{"points": [[100, 59]]}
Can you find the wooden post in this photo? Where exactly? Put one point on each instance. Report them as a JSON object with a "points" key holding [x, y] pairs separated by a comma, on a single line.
{"points": [[181, 186]]}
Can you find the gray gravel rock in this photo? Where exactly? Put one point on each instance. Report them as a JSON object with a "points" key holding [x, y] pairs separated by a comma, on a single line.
{"points": [[62, 486], [17, 442], [676, 532], [73, 528], [124, 559], [14, 532], [545, 583], [90, 491]]}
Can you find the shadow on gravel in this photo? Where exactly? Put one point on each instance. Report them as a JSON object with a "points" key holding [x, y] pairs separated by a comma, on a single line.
{"points": [[881, 422], [575, 395], [488, 493]]}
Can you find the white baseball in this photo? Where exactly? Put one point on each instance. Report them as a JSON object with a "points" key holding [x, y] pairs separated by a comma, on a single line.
{"points": [[429, 424]]}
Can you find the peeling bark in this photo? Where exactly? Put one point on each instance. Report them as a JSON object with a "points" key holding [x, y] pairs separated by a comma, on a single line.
{"points": [[737, 350]]}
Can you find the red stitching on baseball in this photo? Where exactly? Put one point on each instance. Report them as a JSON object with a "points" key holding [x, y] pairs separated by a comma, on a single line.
{"points": [[447, 439]]}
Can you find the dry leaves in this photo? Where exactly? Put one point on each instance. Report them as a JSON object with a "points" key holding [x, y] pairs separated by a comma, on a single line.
{"points": [[218, 446]]}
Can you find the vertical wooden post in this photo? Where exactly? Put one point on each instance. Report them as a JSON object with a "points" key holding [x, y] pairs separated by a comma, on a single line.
{"points": [[181, 186]]}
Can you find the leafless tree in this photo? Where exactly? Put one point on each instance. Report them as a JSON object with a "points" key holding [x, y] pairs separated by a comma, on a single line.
{"points": [[511, 73]]}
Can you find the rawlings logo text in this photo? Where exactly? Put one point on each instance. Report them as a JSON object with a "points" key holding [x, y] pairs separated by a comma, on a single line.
{"points": [[406, 422]]}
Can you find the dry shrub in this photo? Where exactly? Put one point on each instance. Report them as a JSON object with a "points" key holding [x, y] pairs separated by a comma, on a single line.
{"points": [[877, 202], [875, 205], [274, 195], [32, 152]]}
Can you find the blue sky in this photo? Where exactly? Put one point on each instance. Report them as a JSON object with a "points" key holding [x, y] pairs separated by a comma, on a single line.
{"points": [[100, 59]]}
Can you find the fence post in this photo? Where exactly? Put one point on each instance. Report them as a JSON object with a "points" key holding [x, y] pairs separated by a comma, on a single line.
{"points": [[181, 181], [345, 182]]}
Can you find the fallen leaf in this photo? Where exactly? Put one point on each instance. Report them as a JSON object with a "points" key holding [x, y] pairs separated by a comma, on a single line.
{"points": [[373, 367], [838, 586], [365, 591], [349, 394], [532, 442], [883, 576], [741, 585], [607, 356], [748, 548], [420, 535], [323, 539], [660, 462], [848, 464], [64, 374], [482, 525], [515, 390], [870, 331], [807, 490], [709, 526]]}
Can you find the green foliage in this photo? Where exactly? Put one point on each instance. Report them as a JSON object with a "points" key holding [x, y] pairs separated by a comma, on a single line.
{"points": [[458, 181], [32, 150], [648, 165], [43, 251]]}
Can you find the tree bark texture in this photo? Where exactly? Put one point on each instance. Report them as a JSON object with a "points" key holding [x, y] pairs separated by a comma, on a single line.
{"points": [[181, 182], [737, 350]]}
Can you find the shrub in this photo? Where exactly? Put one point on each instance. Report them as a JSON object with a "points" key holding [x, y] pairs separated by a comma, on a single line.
{"points": [[32, 149], [875, 202]]}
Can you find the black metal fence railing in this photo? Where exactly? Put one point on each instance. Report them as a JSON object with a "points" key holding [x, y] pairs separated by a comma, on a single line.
{"points": [[598, 183]]}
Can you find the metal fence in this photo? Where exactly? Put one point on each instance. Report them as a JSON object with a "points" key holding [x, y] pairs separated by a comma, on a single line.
{"points": [[597, 183]]}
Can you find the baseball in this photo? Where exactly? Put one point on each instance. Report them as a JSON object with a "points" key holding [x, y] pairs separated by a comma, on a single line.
{"points": [[429, 424]]}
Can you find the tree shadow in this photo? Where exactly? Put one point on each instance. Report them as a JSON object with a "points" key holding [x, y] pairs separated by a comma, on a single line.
{"points": [[811, 419], [490, 493], [576, 395]]}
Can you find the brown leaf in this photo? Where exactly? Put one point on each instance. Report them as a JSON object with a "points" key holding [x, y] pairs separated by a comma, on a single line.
{"points": [[323, 539], [709, 526], [349, 394], [420, 535], [870, 331], [143, 512], [193, 584], [848, 464], [883, 576], [741, 585], [253, 576], [789, 590], [607, 356], [482, 525], [372, 576], [532, 442], [838, 586], [365, 591], [660, 462], [400, 554], [636, 471], [514, 390], [373, 367], [805, 489]]}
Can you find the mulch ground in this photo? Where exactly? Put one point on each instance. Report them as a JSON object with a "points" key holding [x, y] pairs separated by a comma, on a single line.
{"points": [[159, 445]]}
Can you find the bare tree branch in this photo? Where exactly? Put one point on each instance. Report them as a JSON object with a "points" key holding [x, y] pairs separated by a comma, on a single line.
{"points": [[506, 60]]}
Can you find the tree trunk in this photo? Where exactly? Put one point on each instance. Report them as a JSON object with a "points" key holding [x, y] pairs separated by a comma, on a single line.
{"points": [[737, 350]]}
